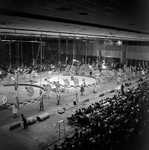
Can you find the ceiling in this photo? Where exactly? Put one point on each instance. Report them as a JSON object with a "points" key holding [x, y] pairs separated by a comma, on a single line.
{"points": [[114, 19]]}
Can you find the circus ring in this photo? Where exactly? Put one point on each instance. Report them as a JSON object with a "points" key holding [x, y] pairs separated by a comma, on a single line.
{"points": [[25, 97]]}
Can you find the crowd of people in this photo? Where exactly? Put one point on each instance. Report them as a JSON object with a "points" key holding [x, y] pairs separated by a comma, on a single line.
{"points": [[112, 123]]}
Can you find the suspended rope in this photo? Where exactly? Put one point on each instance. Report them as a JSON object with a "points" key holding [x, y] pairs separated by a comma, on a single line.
{"points": [[59, 54], [10, 65], [39, 51], [73, 60], [86, 52], [40, 57], [22, 55], [121, 56], [98, 51], [59, 70], [66, 52], [146, 63], [17, 71], [18, 55], [83, 53], [135, 58], [132, 56], [33, 60], [50, 53], [55, 55]]}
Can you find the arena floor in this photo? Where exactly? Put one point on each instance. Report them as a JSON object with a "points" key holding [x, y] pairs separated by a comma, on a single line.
{"points": [[42, 131]]}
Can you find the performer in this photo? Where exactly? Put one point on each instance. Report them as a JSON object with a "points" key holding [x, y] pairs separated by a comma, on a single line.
{"points": [[95, 89], [82, 89], [24, 120], [14, 110], [40, 93], [41, 106], [133, 72], [90, 70], [66, 60], [99, 67], [58, 97], [84, 83], [25, 72], [57, 84], [143, 65], [118, 77], [17, 102], [16, 74], [15, 86], [125, 77], [76, 100], [32, 76], [138, 71], [72, 77], [67, 84], [130, 72]]}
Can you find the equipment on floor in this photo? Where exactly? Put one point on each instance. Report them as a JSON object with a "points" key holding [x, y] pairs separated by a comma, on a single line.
{"points": [[43, 117]]}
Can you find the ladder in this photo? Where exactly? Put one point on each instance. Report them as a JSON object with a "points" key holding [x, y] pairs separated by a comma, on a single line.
{"points": [[60, 127]]}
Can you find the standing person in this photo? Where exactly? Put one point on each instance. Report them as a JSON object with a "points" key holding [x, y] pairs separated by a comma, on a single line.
{"points": [[14, 110], [82, 89], [58, 97], [118, 76], [18, 103], [77, 96], [95, 88], [24, 120], [41, 106], [76, 100], [90, 70], [15, 86], [84, 83], [40, 93]]}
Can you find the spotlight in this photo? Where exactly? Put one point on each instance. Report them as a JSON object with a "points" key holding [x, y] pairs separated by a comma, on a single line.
{"points": [[119, 42]]}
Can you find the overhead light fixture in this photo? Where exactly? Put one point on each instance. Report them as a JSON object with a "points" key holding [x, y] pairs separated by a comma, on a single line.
{"points": [[119, 42]]}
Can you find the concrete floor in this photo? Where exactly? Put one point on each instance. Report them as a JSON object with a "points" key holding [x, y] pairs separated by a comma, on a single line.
{"points": [[29, 139]]}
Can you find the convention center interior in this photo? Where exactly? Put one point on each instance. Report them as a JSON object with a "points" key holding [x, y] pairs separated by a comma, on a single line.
{"points": [[74, 75]]}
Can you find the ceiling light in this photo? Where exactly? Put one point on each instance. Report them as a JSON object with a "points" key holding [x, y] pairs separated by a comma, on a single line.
{"points": [[119, 42]]}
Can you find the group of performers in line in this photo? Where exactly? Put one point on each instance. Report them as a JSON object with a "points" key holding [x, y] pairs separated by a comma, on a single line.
{"points": [[132, 72]]}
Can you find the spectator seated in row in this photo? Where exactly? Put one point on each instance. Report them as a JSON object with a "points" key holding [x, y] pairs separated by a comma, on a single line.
{"points": [[113, 123]]}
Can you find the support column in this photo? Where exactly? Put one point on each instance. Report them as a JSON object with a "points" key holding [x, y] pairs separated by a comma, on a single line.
{"points": [[74, 48]]}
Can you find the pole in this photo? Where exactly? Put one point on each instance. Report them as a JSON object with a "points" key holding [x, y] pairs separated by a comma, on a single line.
{"points": [[41, 49], [10, 54], [59, 54], [32, 54], [22, 54], [66, 51], [40, 57], [18, 55]]}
